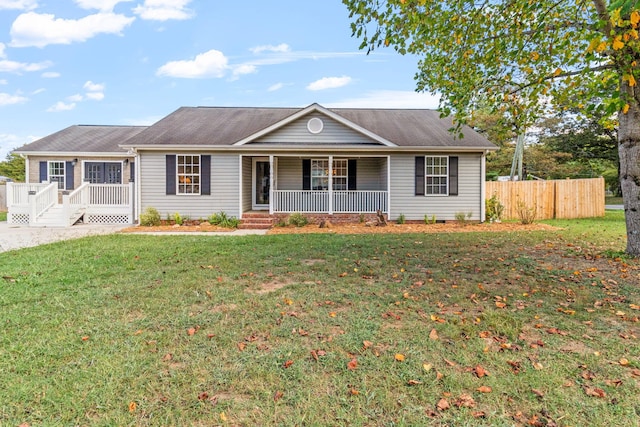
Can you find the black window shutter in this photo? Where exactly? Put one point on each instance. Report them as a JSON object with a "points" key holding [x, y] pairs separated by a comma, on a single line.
{"points": [[453, 176], [306, 174], [205, 175], [132, 172], [44, 172], [352, 173], [68, 176], [171, 174], [419, 176]]}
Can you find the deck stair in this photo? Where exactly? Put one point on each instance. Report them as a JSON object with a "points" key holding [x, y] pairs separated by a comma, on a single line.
{"points": [[55, 217], [256, 221]]}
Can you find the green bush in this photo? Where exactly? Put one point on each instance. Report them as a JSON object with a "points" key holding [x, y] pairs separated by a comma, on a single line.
{"points": [[429, 220], [401, 219], [150, 217], [177, 218], [493, 209], [223, 220], [298, 219]]}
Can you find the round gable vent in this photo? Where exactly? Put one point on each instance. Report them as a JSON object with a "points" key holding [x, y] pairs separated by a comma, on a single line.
{"points": [[315, 125]]}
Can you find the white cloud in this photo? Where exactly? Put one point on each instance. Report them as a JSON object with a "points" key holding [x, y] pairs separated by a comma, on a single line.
{"points": [[40, 30], [103, 5], [50, 75], [2, 54], [95, 96], [389, 99], [329, 83], [18, 4], [93, 87], [18, 67], [61, 106], [37, 91], [205, 65], [6, 99], [275, 87], [163, 10], [244, 69], [75, 98], [3, 82], [283, 47]]}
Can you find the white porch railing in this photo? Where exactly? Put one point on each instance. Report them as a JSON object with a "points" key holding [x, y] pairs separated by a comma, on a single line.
{"points": [[312, 201], [18, 193]]}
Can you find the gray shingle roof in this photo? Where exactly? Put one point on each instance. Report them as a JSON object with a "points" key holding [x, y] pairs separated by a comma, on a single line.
{"points": [[83, 139], [224, 126]]}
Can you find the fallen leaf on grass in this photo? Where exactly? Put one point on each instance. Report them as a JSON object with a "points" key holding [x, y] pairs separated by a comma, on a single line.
{"points": [[635, 373], [287, 364], [500, 304], [132, 407], [352, 364], [203, 396], [478, 414], [484, 389], [433, 334], [223, 417], [191, 331], [414, 382], [277, 395], [353, 392], [85, 338], [480, 371], [399, 357], [465, 401], [443, 405], [427, 367], [595, 392], [241, 346], [624, 361], [537, 392]]}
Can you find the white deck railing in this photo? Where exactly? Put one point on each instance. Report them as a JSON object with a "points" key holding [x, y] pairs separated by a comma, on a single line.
{"points": [[109, 194], [99, 203], [18, 193], [313, 201]]}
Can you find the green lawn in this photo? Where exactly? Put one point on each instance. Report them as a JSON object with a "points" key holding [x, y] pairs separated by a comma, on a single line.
{"points": [[501, 329], [3, 216]]}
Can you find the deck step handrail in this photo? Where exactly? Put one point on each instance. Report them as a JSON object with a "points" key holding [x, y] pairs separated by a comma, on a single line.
{"points": [[43, 200]]}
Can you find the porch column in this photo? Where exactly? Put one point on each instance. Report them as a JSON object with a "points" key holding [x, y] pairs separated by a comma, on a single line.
{"points": [[330, 185], [389, 188], [271, 173], [483, 185]]}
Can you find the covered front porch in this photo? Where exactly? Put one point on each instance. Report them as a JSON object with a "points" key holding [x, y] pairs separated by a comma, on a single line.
{"points": [[315, 184]]}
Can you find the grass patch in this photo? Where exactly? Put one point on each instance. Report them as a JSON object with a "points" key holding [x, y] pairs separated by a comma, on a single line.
{"points": [[3, 216], [319, 329], [611, 200]]}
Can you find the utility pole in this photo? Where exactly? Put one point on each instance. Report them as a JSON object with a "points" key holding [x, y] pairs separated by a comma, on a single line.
{"points": [[517, 159]]}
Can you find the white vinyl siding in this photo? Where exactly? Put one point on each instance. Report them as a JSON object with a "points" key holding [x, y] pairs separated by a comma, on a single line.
{"points": [[404, 201], [296, 133], [246, 183], [225, 176]]}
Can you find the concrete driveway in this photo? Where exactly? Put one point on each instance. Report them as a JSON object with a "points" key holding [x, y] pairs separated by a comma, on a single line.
{"points": [[24, 237]]}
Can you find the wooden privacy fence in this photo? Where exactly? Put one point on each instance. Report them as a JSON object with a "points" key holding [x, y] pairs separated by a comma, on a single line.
{"points": [[567, 198]]}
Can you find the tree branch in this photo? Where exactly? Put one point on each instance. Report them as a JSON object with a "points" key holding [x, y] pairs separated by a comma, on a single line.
{"points": [[563, 75]]}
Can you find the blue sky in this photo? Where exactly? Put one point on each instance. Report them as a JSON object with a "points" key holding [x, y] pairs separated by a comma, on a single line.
{"points": [[132, 62]]}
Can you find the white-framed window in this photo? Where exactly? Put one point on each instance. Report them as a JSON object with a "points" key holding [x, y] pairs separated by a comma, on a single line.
{"points": [[340, 174], [320, 174], [436, 174], [188, 174], [56, 173]]}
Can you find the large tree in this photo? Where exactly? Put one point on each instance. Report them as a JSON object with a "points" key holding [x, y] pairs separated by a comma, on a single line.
{"points": [[517, 56], [13, 167]]}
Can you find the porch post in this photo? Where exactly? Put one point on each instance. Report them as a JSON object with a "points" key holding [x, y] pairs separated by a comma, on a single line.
{"points": [[330, 185], [271, 173], [483, 186], [66, 208], [33, 209], [389, 188], [240, 175]]}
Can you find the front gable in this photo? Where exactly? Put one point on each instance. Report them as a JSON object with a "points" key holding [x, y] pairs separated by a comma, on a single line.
{"points": [[315, 125]]}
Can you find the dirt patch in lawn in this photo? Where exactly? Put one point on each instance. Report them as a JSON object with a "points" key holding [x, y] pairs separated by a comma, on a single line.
{"points": [[202, 227], [413, 228]]}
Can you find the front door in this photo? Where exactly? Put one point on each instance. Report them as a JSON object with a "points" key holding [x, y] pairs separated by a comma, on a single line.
{"points": [[103, 172], [261, 184]]}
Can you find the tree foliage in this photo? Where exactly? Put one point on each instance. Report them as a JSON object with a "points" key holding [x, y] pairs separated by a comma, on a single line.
{"points": [[518, 57], [13, 167]]}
